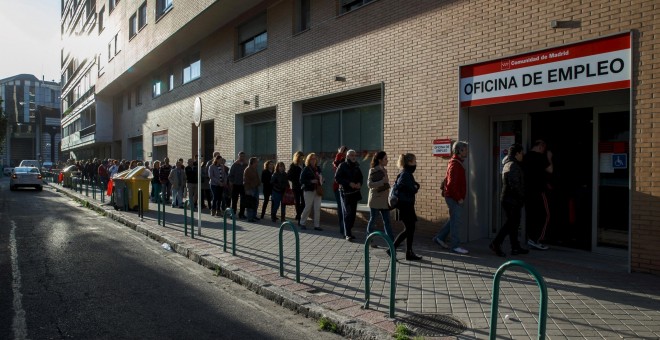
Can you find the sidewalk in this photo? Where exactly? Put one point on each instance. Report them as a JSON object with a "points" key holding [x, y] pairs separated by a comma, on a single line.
{"points": [[445, 295]]}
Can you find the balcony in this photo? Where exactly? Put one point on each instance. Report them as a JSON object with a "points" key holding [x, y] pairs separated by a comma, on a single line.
{"points": [[90, 130]]}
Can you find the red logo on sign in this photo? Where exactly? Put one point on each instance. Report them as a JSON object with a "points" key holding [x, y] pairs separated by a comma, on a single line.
{"points": [[506, 64]]}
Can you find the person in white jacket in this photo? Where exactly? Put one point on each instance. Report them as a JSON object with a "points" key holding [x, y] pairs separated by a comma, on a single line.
{"points": [[177, 178]]}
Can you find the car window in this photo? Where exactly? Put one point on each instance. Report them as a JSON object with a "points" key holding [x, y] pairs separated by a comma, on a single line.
{"points": [[34, 170], [25, 170]]}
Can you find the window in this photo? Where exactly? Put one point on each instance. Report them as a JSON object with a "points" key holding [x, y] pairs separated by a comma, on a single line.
{"points": [[162, 7], [191, 68], [170, 81], [113, 47], [112, 4], [156, 87], [302, 15], [101, 22], [132, 26], [138, 95], [142, 15], [349, 5], [355, 120], [252, 36]]}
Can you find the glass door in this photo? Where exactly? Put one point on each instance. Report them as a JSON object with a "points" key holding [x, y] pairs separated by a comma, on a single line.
{"points": [[505, 131], [613, 181]]}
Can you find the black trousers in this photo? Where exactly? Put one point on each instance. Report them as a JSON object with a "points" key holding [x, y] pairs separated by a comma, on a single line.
{"points": [[510, 227], [237, 189], [299, 199], [537, 215], [264, 206], [349, 210], [409, 218]]}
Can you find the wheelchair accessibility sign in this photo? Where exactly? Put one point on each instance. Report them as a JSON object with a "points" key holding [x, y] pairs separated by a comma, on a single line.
{"points": [[620, 161]]}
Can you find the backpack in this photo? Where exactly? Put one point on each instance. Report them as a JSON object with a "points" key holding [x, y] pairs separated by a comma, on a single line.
{"points": [[393, 196]]}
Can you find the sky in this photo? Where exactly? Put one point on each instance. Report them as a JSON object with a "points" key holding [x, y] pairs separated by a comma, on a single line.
{"points": [[30, 38]]}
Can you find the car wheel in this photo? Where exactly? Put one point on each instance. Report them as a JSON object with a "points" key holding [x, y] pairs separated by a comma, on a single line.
{"points": [[39, 188]]}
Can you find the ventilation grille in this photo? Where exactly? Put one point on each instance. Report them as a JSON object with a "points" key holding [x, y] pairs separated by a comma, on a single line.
{"points": [[342, 102]]}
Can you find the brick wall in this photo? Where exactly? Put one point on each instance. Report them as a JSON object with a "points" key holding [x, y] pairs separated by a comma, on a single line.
{"points": [[414, 48]]}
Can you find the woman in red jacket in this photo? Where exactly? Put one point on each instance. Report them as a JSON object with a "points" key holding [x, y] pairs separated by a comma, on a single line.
{"points": [[455, 191]]}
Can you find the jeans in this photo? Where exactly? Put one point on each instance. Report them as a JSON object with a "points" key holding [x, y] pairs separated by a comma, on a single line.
{"points": [[177, 196], [277, 202], [157, 189], [454, 224], [386, 221], [340, 212], [252, 212], [216, 192], [349, 205]]}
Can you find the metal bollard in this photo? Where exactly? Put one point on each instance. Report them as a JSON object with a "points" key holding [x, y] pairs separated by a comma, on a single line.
{"points": [[86, 187], [94, 186], [185, 219], [162, 199], [367, 285], [233, 231], [295, 232], [192, 219], [158, 198], [140, 205], [543, 303]]}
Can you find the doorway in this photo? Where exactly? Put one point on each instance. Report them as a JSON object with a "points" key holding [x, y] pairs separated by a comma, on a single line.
{"points": [[569, 136]]}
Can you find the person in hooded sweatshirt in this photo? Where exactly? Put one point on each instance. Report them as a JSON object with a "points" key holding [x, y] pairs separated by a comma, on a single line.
{"points": [[513, 200], [349, 177]]}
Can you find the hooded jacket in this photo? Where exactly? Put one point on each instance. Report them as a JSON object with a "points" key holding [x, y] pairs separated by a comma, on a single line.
{"points": [[513, 182]]}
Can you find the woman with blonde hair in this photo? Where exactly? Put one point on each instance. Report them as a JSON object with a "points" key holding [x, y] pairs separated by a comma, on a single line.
{"points": [[310, 179], [407, 188], [295, 169]]}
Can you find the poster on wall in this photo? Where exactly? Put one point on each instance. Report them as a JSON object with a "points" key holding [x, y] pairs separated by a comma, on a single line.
{"points": [[590, 66]]}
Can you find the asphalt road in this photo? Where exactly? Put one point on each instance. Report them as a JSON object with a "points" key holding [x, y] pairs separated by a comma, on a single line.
{"points": [[67, 272]]}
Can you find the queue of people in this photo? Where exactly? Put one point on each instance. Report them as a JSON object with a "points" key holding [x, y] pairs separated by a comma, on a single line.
{"points": [[524, 185]]}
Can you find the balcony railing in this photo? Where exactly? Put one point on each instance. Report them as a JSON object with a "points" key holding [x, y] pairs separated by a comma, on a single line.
{"points": [[90, 130]]}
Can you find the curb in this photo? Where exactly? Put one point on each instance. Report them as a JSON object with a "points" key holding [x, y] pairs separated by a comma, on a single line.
{"points": [[347, 326]]}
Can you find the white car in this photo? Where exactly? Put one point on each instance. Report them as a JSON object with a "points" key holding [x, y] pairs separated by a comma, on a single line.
{"points": [[29, 162], [23, 176]]}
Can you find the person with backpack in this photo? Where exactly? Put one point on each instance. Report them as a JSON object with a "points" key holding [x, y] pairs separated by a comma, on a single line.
{"points": [[405, 189], [455, 191]]}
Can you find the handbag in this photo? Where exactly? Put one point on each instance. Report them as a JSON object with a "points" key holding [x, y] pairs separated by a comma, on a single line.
{"points": [[288, 198]]}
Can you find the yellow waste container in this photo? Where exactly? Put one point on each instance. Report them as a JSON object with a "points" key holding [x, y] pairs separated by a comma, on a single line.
{"points": [[136, 179], [68, 173]]}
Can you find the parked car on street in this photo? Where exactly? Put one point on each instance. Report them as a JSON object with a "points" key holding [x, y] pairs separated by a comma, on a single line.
{"points": [[24, 176], [29, 162], [7, 171]]}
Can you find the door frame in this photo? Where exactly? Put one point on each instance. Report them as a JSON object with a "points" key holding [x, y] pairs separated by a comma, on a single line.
{"points": [[597, 111], [496, 187]]}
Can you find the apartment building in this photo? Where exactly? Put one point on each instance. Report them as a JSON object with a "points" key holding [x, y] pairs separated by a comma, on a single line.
{"points": [[275, 77], [32, 108]]}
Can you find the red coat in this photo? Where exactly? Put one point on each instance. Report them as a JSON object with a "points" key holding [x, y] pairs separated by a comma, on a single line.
{"points": [[456, 180]]}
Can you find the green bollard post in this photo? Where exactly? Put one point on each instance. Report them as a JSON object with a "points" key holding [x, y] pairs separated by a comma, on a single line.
{"points": [[192, 219], [140, 207], [233, 230], [94, 186], [158, 198], [543, 303], [86, 187], [162, 198], [185, 218], [295, 232], [367, 287]]}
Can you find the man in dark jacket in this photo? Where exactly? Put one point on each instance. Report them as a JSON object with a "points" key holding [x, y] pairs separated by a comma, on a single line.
{"points": [[349, 177], [513, 199], [236, 181]]}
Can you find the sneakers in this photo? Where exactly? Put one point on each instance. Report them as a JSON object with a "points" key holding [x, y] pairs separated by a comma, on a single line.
{"points": [[460, 250], [535, 245], [441, 243], [410, 256], [350, 238], [496, 249]]}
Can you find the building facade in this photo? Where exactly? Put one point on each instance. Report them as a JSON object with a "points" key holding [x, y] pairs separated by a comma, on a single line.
{"points": [[275, 77], [32, 108]]}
